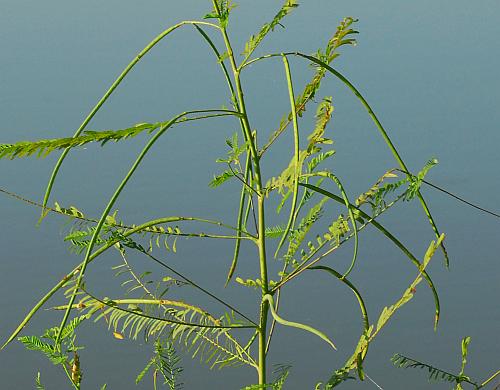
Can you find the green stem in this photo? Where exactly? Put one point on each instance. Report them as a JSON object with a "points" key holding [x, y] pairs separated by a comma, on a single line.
{"points": [[260, 201], [264, 303]]}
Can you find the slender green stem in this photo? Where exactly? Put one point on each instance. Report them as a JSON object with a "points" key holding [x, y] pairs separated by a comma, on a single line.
{"points": [[260, 201], [265, 303]]}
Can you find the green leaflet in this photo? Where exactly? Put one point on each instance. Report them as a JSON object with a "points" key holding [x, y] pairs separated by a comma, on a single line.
{"points": [[255, 40], [34, 343], [401, 361], [438, 374], [340, 38], [299, 234], [275, 231], [221, 178], [192, 327], [58, 353], [43, 148], [165, 361]]}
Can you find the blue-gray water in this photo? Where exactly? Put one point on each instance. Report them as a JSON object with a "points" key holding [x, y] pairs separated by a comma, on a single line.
{"points": [[430, 70]]}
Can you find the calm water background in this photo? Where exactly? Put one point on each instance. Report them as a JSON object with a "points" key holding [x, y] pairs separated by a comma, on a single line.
{"points": [[430, 70]]}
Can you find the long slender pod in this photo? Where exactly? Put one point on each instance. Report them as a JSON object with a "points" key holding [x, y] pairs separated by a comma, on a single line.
{"points": [[108, 93], [222, 64], [394, 240], [240, 222], [296, 157], [339, 276], [348, 205], [362, 306], [112, 201], [307, 328]]}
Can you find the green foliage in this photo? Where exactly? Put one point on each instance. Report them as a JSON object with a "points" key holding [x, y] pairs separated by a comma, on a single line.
{"points": [[438, 374], [416, 181], [193, 328], [255, 40], [434, 373], [354, 363], [233, 158], [166, 362], [113, 231], [300, 234], [46, 344], [221, 11], [275, 231], [377, 195], [43, 148], [148, 308], [340, 38], [284, 182], [221, 178]]}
